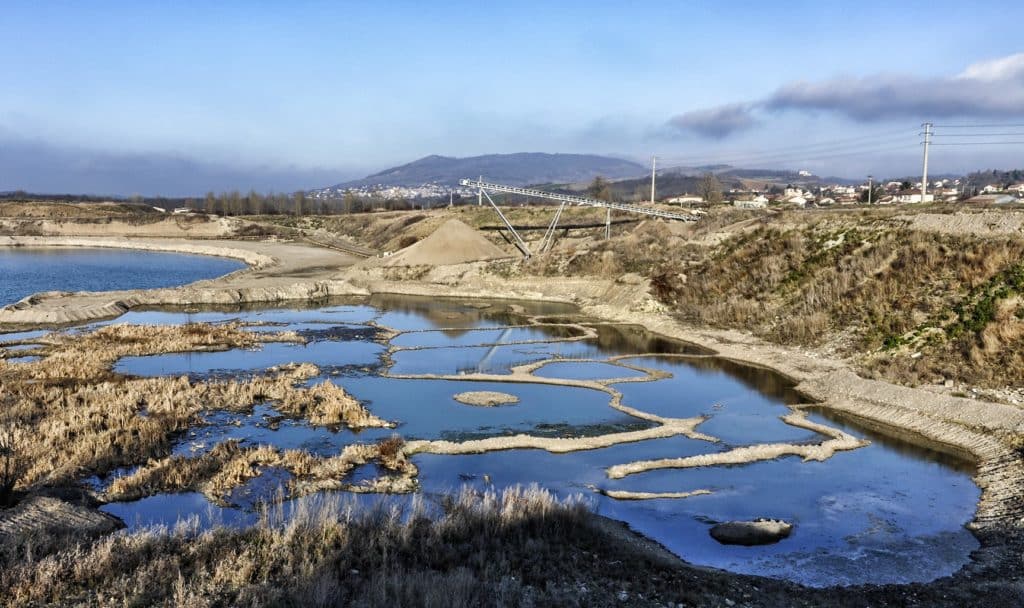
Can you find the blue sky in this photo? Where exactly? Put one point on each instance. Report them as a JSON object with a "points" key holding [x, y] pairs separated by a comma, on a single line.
{"points": [[180, 97]]}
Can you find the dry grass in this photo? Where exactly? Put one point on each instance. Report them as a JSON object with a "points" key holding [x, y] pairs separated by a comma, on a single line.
{"points": [[519, 547], [81, 418], [229, 465], [482, 549], [13, 461], [884, 290]]}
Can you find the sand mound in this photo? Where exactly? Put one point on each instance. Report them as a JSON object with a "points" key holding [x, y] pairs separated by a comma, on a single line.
{"points": [[486, 398], [452, 243]]}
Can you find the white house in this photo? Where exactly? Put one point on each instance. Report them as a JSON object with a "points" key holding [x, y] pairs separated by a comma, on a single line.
{"points": [[991, 189], [758, 202], [686, 199], [913, 196]]}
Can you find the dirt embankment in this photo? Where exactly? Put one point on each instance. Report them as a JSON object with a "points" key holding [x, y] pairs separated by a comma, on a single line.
{"points": [[151, 226], [986, 223]]}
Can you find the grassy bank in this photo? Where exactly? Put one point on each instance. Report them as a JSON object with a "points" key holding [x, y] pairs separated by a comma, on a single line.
{"points": [[520, 547]]}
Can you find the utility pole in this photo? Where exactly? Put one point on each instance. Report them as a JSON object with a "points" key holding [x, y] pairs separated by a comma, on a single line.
{"points": [[870, 188], [654, 165], [480, 194], [924, 173]]}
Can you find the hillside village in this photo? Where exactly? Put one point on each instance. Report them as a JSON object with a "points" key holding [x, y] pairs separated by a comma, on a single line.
{"points": [[887, 193]]}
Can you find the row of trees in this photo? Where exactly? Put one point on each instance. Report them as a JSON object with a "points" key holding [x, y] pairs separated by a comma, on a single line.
{"points": [[709, 189], [297, 203]]}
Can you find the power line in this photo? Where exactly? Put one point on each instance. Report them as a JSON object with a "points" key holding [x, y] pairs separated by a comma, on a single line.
{"points": [[982, 143], [796, 148], [808, 155], [881, 137], [979, 126], [977, 134]]}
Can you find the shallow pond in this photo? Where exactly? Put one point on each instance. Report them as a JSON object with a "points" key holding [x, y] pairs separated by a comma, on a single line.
{"points": [[886, 512], [29, 270]]}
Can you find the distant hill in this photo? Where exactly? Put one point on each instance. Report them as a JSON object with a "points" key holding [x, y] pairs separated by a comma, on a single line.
{"points": [[519, 169]]}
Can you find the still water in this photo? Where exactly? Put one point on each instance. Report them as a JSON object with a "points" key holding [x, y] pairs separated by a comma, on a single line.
{"points": [[28, 270], [887, 512]]}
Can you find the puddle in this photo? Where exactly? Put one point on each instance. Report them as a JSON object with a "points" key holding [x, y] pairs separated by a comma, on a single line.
{"points": [[20, 347], [19, 336], [266, 426], [23, 359], [169, 509]]}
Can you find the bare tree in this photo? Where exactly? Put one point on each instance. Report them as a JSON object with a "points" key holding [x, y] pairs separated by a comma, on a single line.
{"points": [[710, 189], [600, 189]]}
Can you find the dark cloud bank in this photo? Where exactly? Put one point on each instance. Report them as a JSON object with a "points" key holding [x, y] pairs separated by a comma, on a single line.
{"points": [[991, 89], [36, 166]]}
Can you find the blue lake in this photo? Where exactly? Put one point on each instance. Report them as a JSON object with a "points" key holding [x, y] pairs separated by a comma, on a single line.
{"points": [[27, 270]]}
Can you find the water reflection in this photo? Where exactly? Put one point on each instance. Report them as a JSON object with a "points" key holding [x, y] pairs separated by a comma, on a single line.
{"points": [[884, 513]]}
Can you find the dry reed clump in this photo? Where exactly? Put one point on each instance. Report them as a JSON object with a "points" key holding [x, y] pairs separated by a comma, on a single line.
{"points": [[96, 421], [13, 461], [480, 549], [88, 356], [230, 465]]}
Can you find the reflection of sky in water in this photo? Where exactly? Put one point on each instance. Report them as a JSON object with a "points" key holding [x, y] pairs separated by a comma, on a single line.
{"points": [[28, 270], [869, 501], [485, 359], [322, 354], [740, 413], [426, 409], [20, 347], [266, 426], [880, 513], [461, 337], [17, 336], [586, 371]]}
